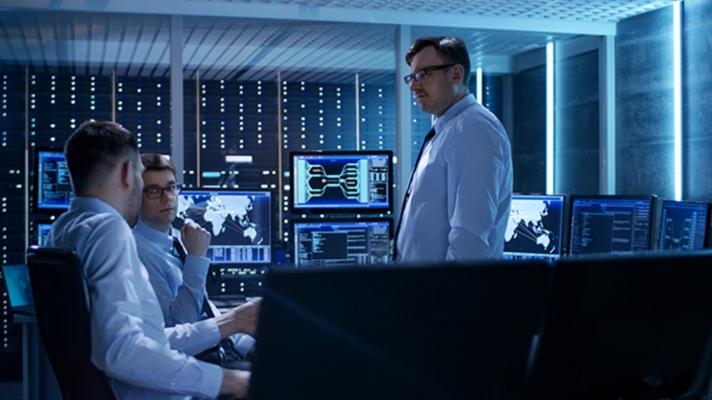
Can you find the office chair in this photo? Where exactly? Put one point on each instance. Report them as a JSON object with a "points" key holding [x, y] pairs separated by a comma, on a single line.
{"points": [[62, 309]]}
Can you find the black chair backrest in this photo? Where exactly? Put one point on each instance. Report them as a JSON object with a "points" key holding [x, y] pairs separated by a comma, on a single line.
{"points": [[385, 333], [62, 309], [631, 327]]}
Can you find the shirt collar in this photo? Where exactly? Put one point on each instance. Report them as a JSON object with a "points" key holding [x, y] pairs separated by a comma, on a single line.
{"points": [[454, 111], [160, 238], [93, 204]]}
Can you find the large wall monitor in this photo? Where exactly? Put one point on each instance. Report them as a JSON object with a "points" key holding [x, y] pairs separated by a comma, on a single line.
{"points": [[610, 224], [684, 225], [334, 243], [53, 189], [535, 228], [358, 181], [239, 222]]}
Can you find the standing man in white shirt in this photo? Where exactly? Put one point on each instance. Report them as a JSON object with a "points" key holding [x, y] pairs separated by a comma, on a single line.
{"points": [[175, 260], [458, 199], [128, 340]]}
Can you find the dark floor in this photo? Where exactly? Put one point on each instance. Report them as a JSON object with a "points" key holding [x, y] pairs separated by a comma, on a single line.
{"points": [[10, 390]]}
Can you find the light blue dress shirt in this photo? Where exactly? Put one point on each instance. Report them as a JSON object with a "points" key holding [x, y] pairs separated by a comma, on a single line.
{"points": [[180, 288], [461, 190], [129, 341]]}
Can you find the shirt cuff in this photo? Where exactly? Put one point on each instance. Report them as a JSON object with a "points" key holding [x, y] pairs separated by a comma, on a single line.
{"points": [[212, 380], [209, 330], [242, 343], [195, 272]]}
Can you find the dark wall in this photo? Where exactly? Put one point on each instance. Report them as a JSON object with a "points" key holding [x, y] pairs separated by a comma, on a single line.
{"points": [[529, 136], [577, 124], [697, 111], [644, 111]]}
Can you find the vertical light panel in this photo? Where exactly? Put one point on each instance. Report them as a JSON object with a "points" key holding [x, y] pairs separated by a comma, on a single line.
{"points": [[550, 118], [677, 95], [479, 85]]}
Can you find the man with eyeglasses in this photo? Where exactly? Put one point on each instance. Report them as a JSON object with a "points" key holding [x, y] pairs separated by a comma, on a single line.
{"points": [[458, 199], [176, 259]]}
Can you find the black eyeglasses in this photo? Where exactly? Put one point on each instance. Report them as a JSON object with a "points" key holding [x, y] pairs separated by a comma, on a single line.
{"points": [[156, 192], [423, 73]]}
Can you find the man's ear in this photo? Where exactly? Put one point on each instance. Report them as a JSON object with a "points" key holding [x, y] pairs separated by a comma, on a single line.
{"points": [[125, 173], [458, 73]]}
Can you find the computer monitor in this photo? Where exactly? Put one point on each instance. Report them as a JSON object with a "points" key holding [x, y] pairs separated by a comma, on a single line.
{"points": [[634, 326], [356, 181], [684, 225], [17, 281], [239, 222], [53, 189], [438, 332], [345, 242], [225, 281], [535, 227], [610, 224], [43, 230]]}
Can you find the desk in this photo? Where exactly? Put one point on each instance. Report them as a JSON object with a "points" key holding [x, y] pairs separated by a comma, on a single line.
{"points": [[38, 380]]}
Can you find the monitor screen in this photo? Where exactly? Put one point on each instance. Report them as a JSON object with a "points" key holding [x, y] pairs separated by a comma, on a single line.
{"points": [[683, 225], [333, 243], [535, 226], [239, 222], [231, 281], [342, 181], [42, 233], [610, 224], [53, 187], [17, 280]]}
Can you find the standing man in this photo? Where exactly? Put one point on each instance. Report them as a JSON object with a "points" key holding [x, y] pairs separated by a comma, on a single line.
{"points": [[128, 339], [175, 260], [457, 201]]}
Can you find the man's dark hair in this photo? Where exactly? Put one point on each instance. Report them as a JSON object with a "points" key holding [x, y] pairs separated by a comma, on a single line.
{"points": [[452, 50], [157, 162], [94, 149]]}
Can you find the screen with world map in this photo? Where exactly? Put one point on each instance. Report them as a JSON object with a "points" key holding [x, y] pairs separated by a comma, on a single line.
{"points": [[535, 227], [239, 223]]}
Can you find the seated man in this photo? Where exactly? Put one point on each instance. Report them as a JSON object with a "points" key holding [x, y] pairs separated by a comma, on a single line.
{"points": [[128, 339], [175, 260]]}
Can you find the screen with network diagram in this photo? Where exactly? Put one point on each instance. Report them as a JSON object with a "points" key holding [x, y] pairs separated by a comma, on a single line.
{"points": [[333, 243], [684, 225], [610, 224], [239, 223], [534, 229], [342, 180], [53, 187]]}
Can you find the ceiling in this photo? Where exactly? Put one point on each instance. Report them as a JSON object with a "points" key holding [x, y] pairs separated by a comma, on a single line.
{"points": [[253, 49]]}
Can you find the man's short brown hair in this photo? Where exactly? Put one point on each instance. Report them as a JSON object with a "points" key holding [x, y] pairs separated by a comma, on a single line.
{"points": [[451, 49], [157, 162]]}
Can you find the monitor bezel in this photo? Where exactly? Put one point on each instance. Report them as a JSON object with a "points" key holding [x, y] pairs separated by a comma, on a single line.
{"points": [[294, 222], [652, 198], [332, 210], [36, 182], [708, 207], [271, 222], [564, 219]]}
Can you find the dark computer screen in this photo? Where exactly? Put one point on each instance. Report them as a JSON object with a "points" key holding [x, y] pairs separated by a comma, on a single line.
{"points": [[610, 224], [683, 225], [228, 281], [534, 228], [17, 280], [332, 243], [239, 222], [52, 185], [341, 181], [42, 233]]}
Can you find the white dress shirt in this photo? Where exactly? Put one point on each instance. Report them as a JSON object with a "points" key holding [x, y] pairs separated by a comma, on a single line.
{"points": [[129, 341], [179, 287], [461, 190]]}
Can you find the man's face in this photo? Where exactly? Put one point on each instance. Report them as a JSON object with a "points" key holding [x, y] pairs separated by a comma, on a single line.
{"points": [[434, 93], [162, 210]]}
